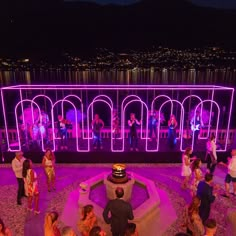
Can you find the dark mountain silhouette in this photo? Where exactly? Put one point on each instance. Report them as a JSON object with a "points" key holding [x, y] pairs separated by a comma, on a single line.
{"points": [[43, 27]]}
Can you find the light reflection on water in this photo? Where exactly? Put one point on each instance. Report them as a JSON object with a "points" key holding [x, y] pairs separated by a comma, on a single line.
{"points": [[134, 76]]}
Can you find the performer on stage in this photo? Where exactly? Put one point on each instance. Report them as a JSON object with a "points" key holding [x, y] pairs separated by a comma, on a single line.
{"points": [[62, 128], [49, 167], [211, 156], [115, 124], [152, 124], [97, 126], [133, 122], [196, 125], [172, 124], [43, 125]]}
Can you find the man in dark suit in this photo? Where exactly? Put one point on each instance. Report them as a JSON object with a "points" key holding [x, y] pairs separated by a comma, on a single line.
{"points": [[205, 193], [120, 212]]}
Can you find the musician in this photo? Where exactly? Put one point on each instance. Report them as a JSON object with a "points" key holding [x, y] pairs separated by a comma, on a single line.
{"points": [[196, 124], [97, 125], [133, 122], [115, 124], [44, 123], [152, 124], [62, 128], [172, 124]]}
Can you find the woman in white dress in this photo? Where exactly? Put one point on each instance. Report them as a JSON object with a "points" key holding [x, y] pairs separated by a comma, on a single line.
{"points": [[186, 167]]}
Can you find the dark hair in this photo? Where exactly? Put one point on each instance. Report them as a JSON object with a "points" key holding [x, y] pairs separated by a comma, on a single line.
{"points": [[208, 177], [195, 164], [51, 153], [119, 192], [130, 229], [95, 231], [87, 209], [212, 137], [54, 216], [3, 226], [26, 166], [187, 151], [210, 223]]}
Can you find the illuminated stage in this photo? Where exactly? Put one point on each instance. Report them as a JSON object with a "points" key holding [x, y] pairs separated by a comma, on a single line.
{"points": [[79, 104]]}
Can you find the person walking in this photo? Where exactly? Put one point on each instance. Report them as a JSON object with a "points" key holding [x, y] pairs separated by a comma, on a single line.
{"points": [[117, 213], [206, 195], [17, 166]]}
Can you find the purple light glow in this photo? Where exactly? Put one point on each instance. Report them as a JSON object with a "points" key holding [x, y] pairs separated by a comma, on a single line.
{"points": [[17, 122], [82, 110]]}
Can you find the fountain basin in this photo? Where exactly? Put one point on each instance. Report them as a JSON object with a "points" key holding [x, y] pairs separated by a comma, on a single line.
{"points": [[144, 213]]}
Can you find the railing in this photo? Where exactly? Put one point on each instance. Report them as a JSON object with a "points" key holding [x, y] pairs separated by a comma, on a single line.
{"points": [[106, 133]]}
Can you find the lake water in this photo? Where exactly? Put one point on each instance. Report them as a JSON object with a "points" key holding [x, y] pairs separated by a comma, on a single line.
{"points": [[225, 77]]}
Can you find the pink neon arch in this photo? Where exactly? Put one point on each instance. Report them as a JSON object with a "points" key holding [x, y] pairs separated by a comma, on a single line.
{"points": [[82, 111], [123, 125], [41, 95], [122, 108], [230, 112], [153, 101], [188, 98], [181, 121], [212, 98], [17, 123], [88, 123], [45, 96], [99, 98], [5, 120], [53, 127], [218, 117], [22, 109]]}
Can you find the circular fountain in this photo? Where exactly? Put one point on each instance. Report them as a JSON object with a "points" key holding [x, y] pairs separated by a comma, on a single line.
{"points": [[139, 191], [119, 178]]}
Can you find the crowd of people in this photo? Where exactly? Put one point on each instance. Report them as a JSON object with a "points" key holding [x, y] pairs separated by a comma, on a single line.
{"points": [[203, 190], [118, 213]]}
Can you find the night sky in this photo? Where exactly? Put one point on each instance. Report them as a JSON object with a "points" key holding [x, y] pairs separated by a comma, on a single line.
{"points": [[230, 4]]}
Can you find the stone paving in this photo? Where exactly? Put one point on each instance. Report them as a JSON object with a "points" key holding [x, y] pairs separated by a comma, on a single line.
{"points": [[166, 177]]}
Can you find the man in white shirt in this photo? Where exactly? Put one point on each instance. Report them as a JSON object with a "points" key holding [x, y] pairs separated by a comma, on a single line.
{"points": [[17, 166], [231, 176]]}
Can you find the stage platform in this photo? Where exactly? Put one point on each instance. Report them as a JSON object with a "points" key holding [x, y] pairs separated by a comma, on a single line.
{"points": [[101, 156], [164, 155]]}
